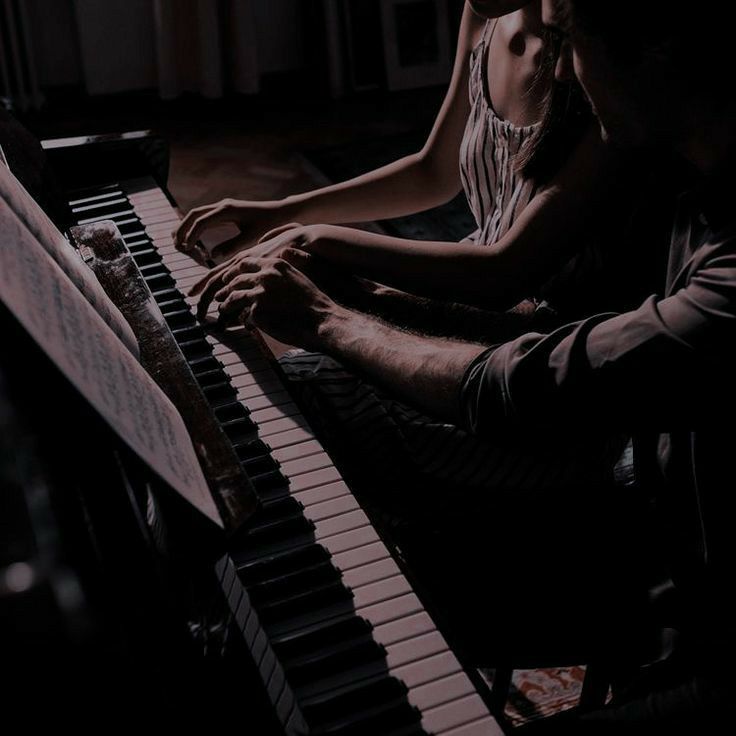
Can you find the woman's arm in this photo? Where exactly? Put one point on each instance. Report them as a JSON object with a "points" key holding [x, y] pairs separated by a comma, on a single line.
{"points": [[585, 197], [417, 182]]}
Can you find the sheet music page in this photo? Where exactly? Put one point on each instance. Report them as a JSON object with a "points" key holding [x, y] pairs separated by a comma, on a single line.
{"points": [[57, 246], [71, 332]]}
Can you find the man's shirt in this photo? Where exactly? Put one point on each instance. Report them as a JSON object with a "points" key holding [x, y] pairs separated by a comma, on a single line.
{"points": [[665, 373]]}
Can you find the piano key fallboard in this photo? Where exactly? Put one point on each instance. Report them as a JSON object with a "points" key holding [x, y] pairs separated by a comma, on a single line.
{"points": [[343, 644]]}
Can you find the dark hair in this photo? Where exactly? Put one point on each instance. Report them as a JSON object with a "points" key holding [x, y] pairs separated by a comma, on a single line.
{"points": [[566, 115], [697, 43]]}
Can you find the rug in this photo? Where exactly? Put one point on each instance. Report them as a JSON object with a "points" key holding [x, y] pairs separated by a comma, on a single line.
{"points": [[450, 222], [540, 693]]}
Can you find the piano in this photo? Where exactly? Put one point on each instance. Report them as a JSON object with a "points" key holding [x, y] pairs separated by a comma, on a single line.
{"points": [[303, 622]]}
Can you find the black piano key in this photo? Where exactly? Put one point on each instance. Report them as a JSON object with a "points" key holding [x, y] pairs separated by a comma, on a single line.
{"points": [[159, 282], [271, 485], [259, 465], [252, 450], [212, 377], [128, 228], [207, 363], [280, 531], [319, 637], [173, 305], [331, 708], [149, 270], [163, 296], [334, 660], [392, 717], [144, 257], [291, 609], [186, 334], [179, 319], [272, 566], [238, 430], [295, 583], [228, 412], [217, 394]]}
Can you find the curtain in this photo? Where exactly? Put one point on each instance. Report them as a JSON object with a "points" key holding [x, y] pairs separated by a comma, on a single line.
{"points": [[205, 46]]}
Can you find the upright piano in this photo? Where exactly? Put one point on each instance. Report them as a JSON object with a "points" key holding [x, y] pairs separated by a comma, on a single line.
{"points": [[120, 601]]}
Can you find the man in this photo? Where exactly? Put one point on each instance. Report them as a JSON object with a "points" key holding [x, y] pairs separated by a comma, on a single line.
{"points": [[654, 74]]}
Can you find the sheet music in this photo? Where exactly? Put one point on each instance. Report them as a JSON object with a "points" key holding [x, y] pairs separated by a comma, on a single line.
{"points": [[56, 245], [49, 305]]}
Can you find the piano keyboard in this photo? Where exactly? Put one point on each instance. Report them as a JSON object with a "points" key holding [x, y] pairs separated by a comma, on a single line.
{"points": [[344, 645]]}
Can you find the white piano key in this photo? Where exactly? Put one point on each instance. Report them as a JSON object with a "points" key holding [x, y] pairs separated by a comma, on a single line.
{"points": [[247, 379], [392, 610], [294, 452], [98, 204], [284, 424], [360, 556], [292, 437], [403, 629], [383, 590], [162, 229], [429, 670], [335, 507], [415, 650], [318, 461], [265, 401], [487, 726], [441, 692], [370, 573], [321, 494], [264, 388], [350, 540], [341, 524], [188, 271], [252, 365], [268, 414], [150, 213], [458, 713], [109, 216], [112, 194], [315, 478]]}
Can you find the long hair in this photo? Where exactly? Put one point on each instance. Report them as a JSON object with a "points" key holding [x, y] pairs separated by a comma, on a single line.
{"points": [[566, 115]]}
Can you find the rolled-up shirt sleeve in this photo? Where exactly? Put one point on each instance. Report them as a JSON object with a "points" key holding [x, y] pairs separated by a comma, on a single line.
{"points": [[667, 365]]}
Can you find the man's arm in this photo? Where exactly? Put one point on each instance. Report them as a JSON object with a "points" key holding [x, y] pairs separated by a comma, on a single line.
{"points": [[667, 365]]}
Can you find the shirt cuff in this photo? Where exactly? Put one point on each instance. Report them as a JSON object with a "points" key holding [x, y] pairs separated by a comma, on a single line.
{"points": [[472, 391]]}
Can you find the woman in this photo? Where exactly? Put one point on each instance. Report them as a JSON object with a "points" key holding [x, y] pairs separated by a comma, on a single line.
{"points": [[533, 169]]}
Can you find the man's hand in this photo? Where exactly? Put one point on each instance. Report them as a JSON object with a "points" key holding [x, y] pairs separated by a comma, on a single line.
{"points": [[276, 296], [288, 236]]}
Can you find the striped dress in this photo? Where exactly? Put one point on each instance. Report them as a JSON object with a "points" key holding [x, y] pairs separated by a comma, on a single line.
{"points": [[495, 191], [410, 465]]}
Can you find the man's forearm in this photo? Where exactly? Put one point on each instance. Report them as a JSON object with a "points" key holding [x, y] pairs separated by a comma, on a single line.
{"points": [[427, 372]]}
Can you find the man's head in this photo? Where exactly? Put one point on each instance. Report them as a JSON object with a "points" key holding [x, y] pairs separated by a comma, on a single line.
{"points": [[648, 67]]}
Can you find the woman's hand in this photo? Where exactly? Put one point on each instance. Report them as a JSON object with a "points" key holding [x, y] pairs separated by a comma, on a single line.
{"points": [[253, 219]]}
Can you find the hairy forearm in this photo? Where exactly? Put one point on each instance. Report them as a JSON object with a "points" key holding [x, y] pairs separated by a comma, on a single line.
{"points": [[426, 372], [410, 185], [426, 316]]}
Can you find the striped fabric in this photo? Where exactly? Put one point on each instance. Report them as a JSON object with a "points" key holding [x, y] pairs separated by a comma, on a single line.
{"points": [[496, 192], [402, 456]]}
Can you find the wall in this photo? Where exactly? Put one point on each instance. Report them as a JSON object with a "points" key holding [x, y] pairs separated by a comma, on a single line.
{"points": [[109, 43]]}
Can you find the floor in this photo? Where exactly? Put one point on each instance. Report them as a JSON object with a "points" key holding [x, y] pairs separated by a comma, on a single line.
{"points": [[247, 147]]}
